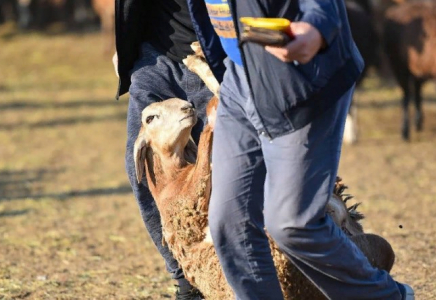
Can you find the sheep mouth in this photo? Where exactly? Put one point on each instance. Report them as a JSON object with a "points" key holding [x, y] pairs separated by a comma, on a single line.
{"points": [[190, 116]]}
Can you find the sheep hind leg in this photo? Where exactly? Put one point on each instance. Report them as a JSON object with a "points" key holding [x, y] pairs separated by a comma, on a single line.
{"points": [[419, 117], [377, 250], [405, 131]]}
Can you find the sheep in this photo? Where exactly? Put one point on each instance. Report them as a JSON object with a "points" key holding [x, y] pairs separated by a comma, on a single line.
{"points": [[180, 185], [409, 42], [179, 178]]}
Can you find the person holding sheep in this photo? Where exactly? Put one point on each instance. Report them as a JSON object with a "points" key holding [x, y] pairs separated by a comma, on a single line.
{"points": [[277, 143], [152, 39]]}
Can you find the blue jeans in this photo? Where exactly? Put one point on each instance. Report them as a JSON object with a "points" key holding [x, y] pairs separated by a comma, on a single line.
{"points": [[282, 185], [155, 77]]}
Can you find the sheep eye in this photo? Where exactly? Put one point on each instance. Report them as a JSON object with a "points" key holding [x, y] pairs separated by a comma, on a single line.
{"points": [[149, 119]]}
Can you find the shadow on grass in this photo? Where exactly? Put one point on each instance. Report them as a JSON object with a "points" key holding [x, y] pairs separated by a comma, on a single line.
{"points": [[23, 182], [20, 185], [13, 213], [125, 189], [11, 30], [27, 104], [64, 121], [121, 190]]}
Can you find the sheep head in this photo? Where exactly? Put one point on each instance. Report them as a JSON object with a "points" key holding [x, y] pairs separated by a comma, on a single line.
{"points": [[347, 218], [343, 216], [166, 130]]}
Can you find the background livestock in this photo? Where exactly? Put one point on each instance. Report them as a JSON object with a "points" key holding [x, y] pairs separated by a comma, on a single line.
{"points": [[40, 14], [367, 18], [69, 226], [360, 15], [410, 44], [63, 15], [105, 10]]}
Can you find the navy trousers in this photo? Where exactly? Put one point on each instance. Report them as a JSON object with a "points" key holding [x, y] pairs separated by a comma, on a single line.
{"points": [[282, 185], [155, 77]]}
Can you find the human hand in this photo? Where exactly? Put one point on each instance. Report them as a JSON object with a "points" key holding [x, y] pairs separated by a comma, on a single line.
{"points": [[308, 41], [115, 63]]}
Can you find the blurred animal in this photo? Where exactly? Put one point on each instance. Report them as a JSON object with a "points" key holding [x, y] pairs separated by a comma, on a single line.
{"points": [[8, 10], [16, 11], [179, 177], [39, 14], [367, 41], [42, 13], [410, 42], [364, 33], [105, 9]]}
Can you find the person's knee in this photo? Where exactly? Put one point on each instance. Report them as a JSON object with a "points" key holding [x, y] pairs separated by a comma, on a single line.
{"points": [[287, 231], [217, 220], [280, 234]]}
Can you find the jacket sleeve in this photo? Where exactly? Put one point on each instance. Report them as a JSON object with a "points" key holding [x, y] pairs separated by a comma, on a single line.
{"points": [[130, 31], [323, 15]]}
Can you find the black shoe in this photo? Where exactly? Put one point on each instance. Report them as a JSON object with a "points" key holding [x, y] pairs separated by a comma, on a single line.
{"points": [[191, 294]]}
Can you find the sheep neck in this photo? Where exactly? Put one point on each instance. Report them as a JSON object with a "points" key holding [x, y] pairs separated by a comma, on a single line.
{"points": [[162, 168], [175, 182]]}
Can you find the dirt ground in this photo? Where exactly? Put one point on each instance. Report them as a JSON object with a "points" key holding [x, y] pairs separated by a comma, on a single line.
{"points": [[69, 226]]}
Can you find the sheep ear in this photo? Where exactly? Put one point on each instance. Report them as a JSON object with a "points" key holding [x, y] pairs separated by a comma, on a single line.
{"points": [[191, 151], [139, 152]]}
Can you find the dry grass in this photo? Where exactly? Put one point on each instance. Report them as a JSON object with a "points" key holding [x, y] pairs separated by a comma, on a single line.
{"points": [[69, 227], [395, 181]]}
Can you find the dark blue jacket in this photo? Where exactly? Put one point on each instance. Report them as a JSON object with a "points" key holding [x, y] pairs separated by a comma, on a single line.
{"points": [[131, 30], [286, 96]]}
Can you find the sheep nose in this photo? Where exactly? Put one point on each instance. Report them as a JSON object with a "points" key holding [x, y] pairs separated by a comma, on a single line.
{"points": [[187, 107]]}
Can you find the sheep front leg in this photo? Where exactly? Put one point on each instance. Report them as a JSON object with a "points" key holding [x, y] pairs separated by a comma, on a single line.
{"points": [[201, 174], [201, 178], [202, 166], [197, 63]]}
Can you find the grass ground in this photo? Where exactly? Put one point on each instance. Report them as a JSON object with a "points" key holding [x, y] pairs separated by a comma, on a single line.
{"points": [[69, 227]]}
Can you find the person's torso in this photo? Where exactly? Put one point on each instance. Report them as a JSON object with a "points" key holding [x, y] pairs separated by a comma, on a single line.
{"points": [[287, 95], [171, 29]]}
